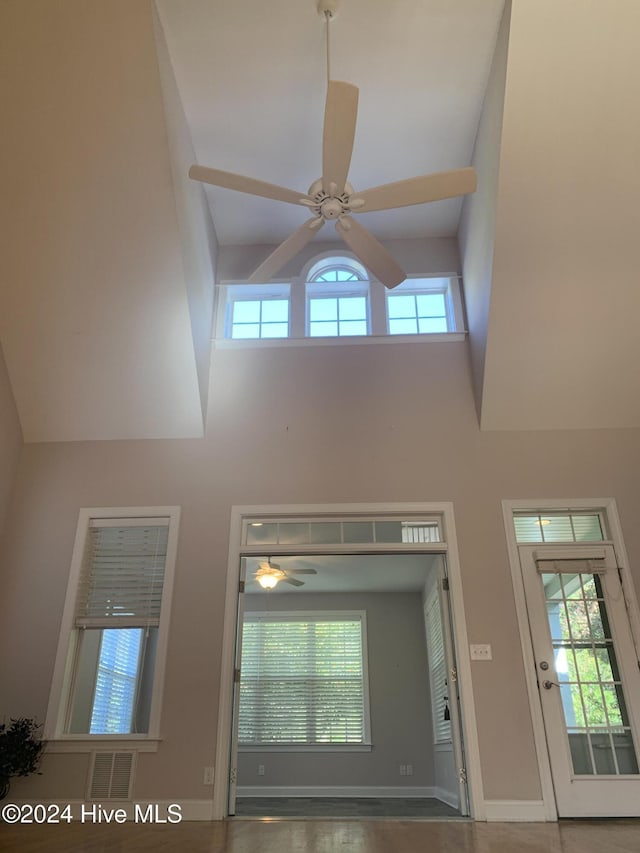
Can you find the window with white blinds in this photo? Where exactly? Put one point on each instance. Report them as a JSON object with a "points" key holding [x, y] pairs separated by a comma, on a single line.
{"points": [[122, 573], [117, 599], [303, 679], [437, 670]]}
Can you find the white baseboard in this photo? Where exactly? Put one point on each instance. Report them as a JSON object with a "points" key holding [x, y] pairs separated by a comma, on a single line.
{"points": [[515, 810], [447, 797], [334, 791]]}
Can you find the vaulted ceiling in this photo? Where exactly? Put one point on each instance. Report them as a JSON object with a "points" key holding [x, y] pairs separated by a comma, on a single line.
{"points": [[108, 251]]}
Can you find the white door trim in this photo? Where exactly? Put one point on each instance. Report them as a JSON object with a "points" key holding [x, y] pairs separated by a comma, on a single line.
{"points": [[459, 626], [608, 506]]}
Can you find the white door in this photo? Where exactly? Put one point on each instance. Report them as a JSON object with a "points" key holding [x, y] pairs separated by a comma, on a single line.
{"points": [[588, 678]]}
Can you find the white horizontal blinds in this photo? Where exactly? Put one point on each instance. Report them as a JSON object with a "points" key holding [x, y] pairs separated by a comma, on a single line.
{"points": [[437, 672], [122, 573], [584, 566], [302, 680]]}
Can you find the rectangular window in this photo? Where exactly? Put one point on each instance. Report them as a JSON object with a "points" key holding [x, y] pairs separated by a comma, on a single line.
{"points": [[337, 316], [260, 318], [421, 307], [559, 527], [303, 679], [115, 638]]}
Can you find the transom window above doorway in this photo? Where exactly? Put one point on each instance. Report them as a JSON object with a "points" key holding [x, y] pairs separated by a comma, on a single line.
{"points": [[258, 531], [336, 298]]}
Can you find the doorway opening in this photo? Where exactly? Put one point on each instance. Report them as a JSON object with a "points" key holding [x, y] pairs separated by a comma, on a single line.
{"points": [[343, 698], [350, 694]]}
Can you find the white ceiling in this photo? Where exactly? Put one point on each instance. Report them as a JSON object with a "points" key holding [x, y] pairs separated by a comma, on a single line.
{"points": [[349, 573], [252, 80]]}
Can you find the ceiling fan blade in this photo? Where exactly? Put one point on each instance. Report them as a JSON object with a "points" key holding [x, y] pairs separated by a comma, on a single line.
{"points": [[287, 250], [419, 190], [293, 581], [372, 253], [340, 113], [242, 184], [302, 571]]}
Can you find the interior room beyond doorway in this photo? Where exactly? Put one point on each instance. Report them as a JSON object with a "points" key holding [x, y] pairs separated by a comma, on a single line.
{"points": [[344, 704]]}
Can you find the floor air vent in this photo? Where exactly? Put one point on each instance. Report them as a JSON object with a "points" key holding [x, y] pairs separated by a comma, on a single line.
{"points": [[111, 776]]}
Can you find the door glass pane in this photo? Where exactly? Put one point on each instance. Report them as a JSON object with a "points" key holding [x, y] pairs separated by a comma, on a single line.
{"points": [[596, 719]]}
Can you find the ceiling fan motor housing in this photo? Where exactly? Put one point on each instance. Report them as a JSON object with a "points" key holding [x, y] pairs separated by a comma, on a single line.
{"points": [[328, 7]]}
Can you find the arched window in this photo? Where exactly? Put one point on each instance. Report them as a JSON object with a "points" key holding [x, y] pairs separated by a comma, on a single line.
{"points": [[337, 294]]}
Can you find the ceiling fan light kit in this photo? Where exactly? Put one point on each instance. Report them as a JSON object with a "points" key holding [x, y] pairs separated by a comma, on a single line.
{"points": [[331, 198]]}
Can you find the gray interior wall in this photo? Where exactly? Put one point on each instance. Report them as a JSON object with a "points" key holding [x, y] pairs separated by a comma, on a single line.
{"points": [[387, 422], [10, 440], [398, 692]]}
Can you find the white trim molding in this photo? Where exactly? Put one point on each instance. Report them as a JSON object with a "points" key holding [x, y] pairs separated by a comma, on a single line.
{"points": [[392, 791], [391, 510], [512, 811]]}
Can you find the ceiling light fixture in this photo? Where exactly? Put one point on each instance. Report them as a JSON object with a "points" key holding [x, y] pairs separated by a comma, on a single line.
{"points": [[268, 581]]}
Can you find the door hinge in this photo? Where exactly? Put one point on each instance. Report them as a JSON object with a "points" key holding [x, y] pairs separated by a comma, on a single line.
{"points": [[462, 775], [445, 584], [453, 672], [236, 676], [241, 586]]}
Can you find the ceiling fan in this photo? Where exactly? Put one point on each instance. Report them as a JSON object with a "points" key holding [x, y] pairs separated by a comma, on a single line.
{"points": [[270, 574], [332, 198]]}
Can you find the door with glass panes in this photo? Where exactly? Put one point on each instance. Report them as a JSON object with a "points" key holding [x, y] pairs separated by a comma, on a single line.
{"points": [[588, 677]]}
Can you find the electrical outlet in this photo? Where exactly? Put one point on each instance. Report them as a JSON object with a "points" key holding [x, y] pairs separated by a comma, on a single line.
{"points": [[260, 769], [208, 776], [403, 769], [409, 769], [480, 651]]}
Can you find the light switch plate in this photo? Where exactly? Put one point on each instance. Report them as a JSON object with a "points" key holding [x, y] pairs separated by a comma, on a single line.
{"points": [[480, 651]]}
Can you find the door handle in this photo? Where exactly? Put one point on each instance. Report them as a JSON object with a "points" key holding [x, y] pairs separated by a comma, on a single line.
{"points": [[549, 684]]}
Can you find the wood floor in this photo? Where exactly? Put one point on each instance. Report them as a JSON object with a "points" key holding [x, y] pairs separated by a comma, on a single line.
{"points": [[317, 836]]}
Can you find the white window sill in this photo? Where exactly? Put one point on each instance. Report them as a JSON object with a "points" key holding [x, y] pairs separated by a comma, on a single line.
{"points": [[306, 747], [89, 743], [359, 340]]}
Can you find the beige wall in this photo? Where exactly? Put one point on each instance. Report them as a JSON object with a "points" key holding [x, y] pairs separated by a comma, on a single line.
{"points": [[10, 440], [387, 422]]}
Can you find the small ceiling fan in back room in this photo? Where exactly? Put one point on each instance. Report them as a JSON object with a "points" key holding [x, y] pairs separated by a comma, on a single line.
{"points": [[331, 197]]}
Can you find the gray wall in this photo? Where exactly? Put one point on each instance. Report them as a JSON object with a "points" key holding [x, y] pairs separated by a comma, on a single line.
{"points": [[10, 440], [399, 700]]}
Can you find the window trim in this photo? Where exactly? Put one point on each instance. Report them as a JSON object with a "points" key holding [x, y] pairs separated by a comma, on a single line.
{"points": [[326, 616], [297, 290], [60, 694]]}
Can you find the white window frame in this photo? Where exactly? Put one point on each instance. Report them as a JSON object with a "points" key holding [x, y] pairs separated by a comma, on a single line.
{"points": [[234, 293], [448, 286], [327, 616], [299, 288], [60, 696], [336, 290]]}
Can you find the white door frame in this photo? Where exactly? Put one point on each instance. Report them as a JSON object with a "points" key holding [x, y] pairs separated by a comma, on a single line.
{"points": [[236, 550], [608, 507]]}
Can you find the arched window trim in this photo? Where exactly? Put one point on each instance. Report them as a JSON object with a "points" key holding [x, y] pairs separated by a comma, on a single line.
{"points": [[329, 261]]}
